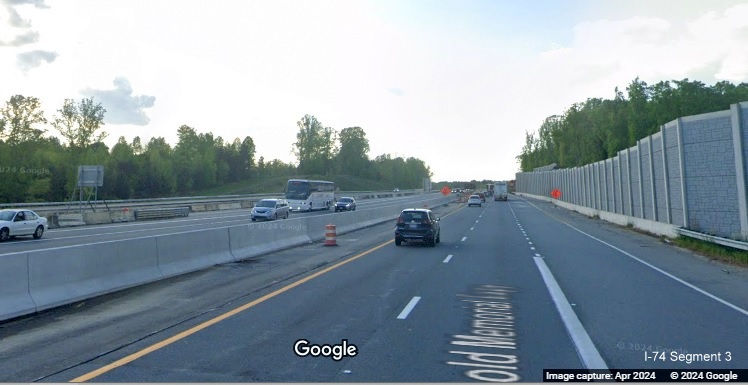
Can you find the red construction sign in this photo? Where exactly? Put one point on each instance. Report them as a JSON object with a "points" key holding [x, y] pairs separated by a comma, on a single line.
{"points": [[446, 190], [556, 193]]}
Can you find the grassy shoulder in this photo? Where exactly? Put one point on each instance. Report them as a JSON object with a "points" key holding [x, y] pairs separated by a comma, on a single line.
{"points": [[713, 250]]}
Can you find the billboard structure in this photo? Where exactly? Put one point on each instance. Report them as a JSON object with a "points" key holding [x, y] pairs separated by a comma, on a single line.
{"points": [[90, 178]]}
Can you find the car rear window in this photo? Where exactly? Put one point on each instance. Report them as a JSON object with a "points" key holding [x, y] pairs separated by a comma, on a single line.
{"points": [[414, 216], [265, 203]]}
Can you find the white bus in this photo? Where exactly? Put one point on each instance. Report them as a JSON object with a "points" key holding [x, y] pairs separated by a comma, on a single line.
{"points": [[308, 195]]}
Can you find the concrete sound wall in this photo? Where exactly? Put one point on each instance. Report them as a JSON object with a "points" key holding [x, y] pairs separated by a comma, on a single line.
{"points": [[692, 174]]}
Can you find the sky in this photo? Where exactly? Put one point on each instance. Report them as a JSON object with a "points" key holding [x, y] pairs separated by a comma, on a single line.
{"points": [[455, 83]]}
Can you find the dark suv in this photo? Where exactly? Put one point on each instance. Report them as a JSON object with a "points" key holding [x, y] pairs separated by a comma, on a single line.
{"points": [[345, 204], [417, 225]]}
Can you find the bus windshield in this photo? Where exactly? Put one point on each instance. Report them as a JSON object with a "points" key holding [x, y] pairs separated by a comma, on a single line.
{"points": [[298, 190]]}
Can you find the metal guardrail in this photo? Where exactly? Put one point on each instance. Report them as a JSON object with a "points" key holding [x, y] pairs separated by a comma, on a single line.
{"points": [[162, 213], [711, 238]]}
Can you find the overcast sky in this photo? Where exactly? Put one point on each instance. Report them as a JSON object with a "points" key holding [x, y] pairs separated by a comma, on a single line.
{"points": [[454, 83]]}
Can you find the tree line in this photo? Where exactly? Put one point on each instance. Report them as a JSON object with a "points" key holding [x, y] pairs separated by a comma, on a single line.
{"points": [[598, 129], [36, 166]]}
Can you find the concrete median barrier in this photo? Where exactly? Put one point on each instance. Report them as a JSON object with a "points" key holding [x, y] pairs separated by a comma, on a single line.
{"points": [[65, 275], [97, 218], [251, 240], [15, 299], [69, 220], [291, 232], [316, 226], [259, 238], [191, 251], [370, 217], [344, 222]]}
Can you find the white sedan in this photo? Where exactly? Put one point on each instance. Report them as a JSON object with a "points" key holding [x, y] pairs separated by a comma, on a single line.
{"points": [[21, 222], [474, 200]]}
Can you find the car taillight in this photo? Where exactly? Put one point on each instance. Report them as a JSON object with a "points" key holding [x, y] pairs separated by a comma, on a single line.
{"points": [[400, 220], [426, 222]]}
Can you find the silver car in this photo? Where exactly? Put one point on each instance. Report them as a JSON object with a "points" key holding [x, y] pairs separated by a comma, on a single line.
{"points": [[270, 209], [21, 222]]}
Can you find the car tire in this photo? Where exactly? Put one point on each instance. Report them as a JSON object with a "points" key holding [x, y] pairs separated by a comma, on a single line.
{"points": [[433, 242], [438, 237], [397, 242], [4, 234], [253, 219], [39, 232], [275, 216], [287, 215]]}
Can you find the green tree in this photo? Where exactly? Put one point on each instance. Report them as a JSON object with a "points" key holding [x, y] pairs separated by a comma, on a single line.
{"points": [[353, 157], [246, 161], [21, 116], [315, 147], [79, 124]]}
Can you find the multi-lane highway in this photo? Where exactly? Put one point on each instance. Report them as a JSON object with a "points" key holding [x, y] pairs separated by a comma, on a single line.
{"points": [[513, 288], [121, 231]]}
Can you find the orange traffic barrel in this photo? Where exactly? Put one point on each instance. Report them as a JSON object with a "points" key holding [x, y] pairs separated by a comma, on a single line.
{"points": [[330, 235]]}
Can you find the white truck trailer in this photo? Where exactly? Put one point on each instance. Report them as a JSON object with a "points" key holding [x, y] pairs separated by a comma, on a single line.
{"points": [[500, 191]]}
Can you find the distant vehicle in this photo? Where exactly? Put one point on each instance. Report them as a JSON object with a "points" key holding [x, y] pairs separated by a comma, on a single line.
{"points": [[345, 204], [417, 225], [308, 195], [474, 200], [482, 196], [396, 189], [270, 209], [21, 222], [500, 191], [489, 189]]}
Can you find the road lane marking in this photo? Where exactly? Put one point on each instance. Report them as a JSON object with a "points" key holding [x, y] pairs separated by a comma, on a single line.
{"points": [[409, 308], [463, 239], [446, 260], [653, 267], [472, 228], [132, 357], [582, 342]]}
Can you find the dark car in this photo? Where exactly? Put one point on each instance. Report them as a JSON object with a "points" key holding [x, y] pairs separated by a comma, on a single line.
{"points": [[417, 225], [482, 196], [345, 204]]}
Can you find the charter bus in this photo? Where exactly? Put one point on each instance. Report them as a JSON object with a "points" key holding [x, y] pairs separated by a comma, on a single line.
{"points": [[308, 195]]}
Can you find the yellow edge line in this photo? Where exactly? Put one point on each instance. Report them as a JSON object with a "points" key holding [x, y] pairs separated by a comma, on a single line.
{"points": [[195, 329]]}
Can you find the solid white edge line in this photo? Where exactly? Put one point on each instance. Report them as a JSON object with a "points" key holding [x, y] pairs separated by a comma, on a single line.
{"points": [[449, 257], [582, 342], [463, 239], [404, 314]]}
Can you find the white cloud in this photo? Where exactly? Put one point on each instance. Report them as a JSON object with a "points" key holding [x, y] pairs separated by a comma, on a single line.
{"points": [[458, 86], [122, 107], [33, 59]]}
